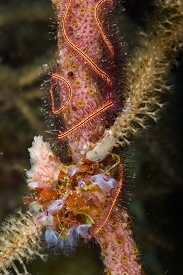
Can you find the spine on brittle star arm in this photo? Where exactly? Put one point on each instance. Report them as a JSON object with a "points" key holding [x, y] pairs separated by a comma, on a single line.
{"points": [[146, 75], [84, 87], [20, 241]]}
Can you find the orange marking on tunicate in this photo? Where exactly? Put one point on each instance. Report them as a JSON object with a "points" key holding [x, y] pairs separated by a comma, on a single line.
{"points": [[92, 115], [92, 64], [106, 40], [52, 95], [96, 231]]}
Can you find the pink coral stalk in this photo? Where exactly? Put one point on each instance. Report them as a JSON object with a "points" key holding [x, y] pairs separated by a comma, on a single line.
{"points": [[119, 253], [85, 73], [86, 77]]}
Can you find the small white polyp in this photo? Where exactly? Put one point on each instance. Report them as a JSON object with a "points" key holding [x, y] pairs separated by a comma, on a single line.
{"points": [[70, 244], [103, 148], [81, 184], [34, 184], [72, 171], [42, 217], [105, 182], [55, 206], [52, 240], [49, 221], [51, 237], [84, 230]]}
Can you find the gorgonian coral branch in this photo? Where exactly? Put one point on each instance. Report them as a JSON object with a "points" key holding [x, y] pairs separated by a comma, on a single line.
{"points": [[19, 241], [146, 74]]}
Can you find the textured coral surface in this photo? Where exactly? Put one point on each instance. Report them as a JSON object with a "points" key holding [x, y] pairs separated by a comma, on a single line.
{"points": [[119, 251], [84, 85]]}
